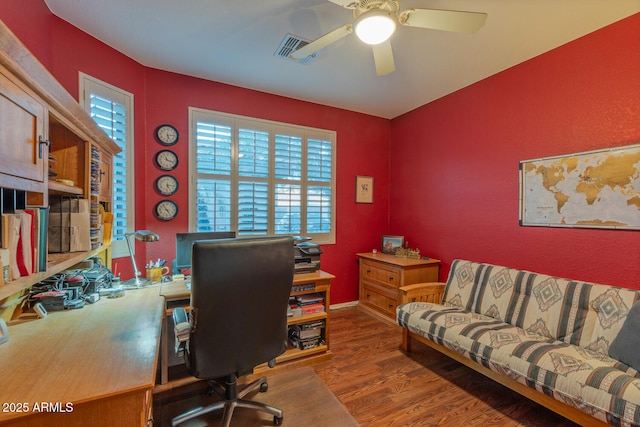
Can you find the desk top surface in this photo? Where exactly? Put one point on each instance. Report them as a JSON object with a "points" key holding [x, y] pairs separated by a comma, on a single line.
{"points": [[178, 289], [101, 350]]}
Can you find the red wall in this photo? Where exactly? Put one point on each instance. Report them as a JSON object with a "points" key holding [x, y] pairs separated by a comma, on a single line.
{"points": [[162, 97], [454, 162], [359, 227], [454, 187]]}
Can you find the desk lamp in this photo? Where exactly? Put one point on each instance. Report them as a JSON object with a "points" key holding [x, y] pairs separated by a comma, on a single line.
{"points": [[143, 236]]}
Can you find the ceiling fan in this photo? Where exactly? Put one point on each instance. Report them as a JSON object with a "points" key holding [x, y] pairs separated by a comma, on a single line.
{"points": [[375, 22]]}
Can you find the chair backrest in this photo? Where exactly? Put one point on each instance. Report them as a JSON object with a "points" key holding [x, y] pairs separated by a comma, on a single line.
{"points": [[239, 296]]}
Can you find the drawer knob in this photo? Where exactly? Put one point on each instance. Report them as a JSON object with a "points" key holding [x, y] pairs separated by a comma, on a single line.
{"points": [[390, 278]]}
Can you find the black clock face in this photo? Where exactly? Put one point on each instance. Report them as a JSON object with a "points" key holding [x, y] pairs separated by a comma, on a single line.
{"points": [[166, 210], [166, 160], [166, 134], [166, 185]]}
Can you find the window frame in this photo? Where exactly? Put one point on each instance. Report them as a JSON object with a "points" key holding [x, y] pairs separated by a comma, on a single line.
{"points": [[272, 127], [89, 85]]}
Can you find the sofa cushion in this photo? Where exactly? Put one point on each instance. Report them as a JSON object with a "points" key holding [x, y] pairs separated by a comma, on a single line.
{"points": [[579, 313], [462, 284], [626, 346]]}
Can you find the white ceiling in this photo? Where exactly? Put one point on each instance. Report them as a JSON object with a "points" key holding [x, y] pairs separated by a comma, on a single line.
{"points": [[233, 41]]}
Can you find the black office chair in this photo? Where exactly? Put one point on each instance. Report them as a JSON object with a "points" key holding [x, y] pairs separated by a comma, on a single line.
{"points": [[239, 296]]}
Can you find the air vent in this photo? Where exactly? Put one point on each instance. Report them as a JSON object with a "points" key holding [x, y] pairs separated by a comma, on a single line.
{"points": [[290, 44]]}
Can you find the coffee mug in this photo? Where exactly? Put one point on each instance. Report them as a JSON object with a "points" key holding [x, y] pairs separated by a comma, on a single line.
{"points": [[155, 274]]}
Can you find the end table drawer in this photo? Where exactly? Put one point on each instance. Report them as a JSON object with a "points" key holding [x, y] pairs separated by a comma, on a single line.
{"points": [[374, 297], [373, 271]]}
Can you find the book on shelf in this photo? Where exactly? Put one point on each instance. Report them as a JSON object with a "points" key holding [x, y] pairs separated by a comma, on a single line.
{"points": [[23, 242], [10, 238], [40, 236], [43, 241], [34, 232], [309, 299], [312, 308], [23, 251]]}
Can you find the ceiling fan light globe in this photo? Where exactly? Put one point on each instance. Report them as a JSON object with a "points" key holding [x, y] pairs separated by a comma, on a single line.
{"points": [[374, 27]]}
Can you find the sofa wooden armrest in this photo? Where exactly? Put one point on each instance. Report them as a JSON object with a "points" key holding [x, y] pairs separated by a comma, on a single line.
{"points": [[422, 292]]}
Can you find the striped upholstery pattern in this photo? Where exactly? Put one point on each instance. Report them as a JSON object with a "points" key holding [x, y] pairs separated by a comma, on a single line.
{"points": [[548, 333], [584, 314]]}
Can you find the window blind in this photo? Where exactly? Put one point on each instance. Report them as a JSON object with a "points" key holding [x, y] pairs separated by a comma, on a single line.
{"points": [[258, 177]]}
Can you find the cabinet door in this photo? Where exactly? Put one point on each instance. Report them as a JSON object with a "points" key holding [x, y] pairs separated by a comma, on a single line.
{"points": [[106, 165], [21, 127]]}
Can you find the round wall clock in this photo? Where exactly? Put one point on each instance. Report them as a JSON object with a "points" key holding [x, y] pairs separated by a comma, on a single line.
{"points": [[166, 134], [166, 160], [166, 210], [166, 185]]}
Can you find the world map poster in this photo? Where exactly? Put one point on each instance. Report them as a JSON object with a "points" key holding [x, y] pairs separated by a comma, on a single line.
{"points": [[591, 189]]}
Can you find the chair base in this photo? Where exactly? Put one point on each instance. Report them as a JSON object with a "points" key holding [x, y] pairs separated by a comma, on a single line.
{"points": [[232, 400]]}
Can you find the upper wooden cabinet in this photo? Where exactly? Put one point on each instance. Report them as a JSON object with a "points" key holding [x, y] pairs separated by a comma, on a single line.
{"points": [[23, 66], [23, 151], [38, 117]]}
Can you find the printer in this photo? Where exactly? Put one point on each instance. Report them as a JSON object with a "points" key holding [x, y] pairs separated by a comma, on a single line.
{"points": [[306, 255]]}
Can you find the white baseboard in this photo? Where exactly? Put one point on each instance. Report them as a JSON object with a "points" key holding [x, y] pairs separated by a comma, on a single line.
{"points": [[343, 305]]}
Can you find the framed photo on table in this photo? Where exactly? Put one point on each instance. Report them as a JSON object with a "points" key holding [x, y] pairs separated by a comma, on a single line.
{"points": [[392, 243], [364, 189]]}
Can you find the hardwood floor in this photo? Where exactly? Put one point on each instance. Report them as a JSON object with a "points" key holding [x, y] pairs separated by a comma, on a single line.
{"points": [[380, 385]]}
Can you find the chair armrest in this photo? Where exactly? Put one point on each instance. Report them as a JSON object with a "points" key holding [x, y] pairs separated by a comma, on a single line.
{"points": [[423, 292]]}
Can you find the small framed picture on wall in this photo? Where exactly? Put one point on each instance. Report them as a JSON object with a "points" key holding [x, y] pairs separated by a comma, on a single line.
{"points": [[390, 244], [364, 189]]}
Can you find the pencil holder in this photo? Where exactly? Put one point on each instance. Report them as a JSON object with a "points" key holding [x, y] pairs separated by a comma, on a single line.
{"points": [[155, 274]]}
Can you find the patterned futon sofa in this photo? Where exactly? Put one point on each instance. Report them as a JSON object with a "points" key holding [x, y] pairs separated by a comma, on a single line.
{"points": [[552, 340]]}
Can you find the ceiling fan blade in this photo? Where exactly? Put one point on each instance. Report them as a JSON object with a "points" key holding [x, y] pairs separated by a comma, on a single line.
{"points": [[349, 4], [383, 58], [322, 41], [445, 20]]}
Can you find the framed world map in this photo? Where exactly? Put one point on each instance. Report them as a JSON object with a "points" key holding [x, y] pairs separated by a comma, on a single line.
{"points": [[598, 189]]}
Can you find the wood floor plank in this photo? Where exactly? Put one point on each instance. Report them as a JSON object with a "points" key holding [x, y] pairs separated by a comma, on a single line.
{"points": [[301, 394], [380, 385]]}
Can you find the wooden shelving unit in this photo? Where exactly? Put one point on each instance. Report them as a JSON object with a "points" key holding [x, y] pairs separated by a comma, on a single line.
{"points": [[177, 295], [56, 263], [39, 118]]}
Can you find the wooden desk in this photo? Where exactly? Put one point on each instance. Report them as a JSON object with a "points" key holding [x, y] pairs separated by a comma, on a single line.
{"points": [[96, 365], [177, 294], [176, 291]]}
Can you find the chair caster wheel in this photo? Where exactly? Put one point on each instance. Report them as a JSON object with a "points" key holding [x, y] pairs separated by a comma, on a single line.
{"points": [[277, 420], [210, 391], [264, 387]]}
